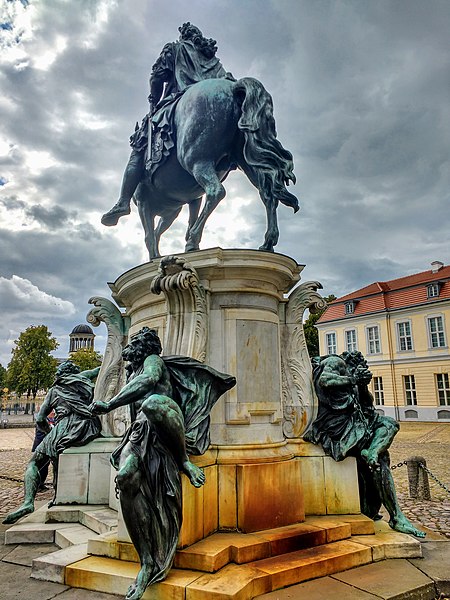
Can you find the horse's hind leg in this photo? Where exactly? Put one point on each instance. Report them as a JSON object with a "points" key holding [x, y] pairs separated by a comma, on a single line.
{"points": [[206, 176], [271, 205], [147, 217]]}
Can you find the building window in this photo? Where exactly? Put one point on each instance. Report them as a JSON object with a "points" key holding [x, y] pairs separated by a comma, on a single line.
{"points": [[433, 290], [404, 336], [436, 331], [331, 343], [443, 388], [378, 393], [349, 308], [373, 340], [350, 340], [410, 390]]}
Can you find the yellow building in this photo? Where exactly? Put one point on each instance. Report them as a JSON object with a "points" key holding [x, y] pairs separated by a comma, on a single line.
{"points": [[403, 329]]}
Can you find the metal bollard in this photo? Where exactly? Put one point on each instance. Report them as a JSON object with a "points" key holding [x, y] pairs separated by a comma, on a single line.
{"points": [[419, 486]]}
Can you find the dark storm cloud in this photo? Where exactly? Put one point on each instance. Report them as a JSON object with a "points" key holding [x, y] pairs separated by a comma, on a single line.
{"points": [[360, 94], [50, 217]]}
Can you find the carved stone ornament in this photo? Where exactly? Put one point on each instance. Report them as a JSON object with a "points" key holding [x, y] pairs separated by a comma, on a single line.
{"points": [[299, 398], [187, 308], [112, 373]]}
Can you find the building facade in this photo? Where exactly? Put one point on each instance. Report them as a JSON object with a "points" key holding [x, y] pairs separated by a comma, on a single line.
{"points": [[402, 327]]}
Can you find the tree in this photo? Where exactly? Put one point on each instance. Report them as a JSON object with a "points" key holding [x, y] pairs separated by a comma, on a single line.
{"points": [[86, 358], [32, 368], [310, 329], [2, 376]]}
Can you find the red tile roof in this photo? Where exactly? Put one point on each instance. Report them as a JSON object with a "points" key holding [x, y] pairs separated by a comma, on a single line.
{"points": [[390, 295]]}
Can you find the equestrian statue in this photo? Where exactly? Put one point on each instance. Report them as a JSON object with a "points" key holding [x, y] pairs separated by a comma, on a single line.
{"points": [[201, 125]]}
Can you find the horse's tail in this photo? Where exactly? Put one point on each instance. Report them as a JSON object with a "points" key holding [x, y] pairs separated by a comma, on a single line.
{"points": [[266, 159]]}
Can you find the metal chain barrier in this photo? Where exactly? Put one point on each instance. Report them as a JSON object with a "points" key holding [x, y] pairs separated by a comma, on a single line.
{"points": [[433, 476], [11, 478], [398, 465]]}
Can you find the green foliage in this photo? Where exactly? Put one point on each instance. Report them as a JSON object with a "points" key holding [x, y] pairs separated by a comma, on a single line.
{"points": [[310, 329], [32, 368], [86, 358], [2, 377]]}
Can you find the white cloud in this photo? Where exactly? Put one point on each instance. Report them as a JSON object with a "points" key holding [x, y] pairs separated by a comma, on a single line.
{"points": [[20, 294]]}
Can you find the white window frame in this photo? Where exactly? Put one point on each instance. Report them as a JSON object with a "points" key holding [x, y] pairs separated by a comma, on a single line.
{"points": [[405, 336], [354, 343], [409, 387], [378, 391], [433, 290], [431, 318], [376, 340], [327, 345], [443, 385], [349, 308]]}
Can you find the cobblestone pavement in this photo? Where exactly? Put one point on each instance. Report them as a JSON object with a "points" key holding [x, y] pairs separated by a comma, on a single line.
{"points": [[430, 440]]}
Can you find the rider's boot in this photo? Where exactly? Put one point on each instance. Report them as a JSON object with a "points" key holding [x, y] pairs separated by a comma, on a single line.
{"points": [[120, 209], [133, 174]]}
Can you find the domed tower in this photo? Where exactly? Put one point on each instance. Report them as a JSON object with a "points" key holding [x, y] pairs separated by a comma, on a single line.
{"points": [[82, 336]]}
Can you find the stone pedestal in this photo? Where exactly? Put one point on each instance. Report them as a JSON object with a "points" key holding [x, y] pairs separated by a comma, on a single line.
{"points": [[236, 311], [84, 473]]}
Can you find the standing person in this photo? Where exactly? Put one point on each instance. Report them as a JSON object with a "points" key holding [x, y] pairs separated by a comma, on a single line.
{"points": [[70, 398], [181, 64]]}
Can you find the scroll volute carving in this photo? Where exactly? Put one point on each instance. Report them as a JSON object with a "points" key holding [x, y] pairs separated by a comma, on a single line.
{"points": [[299, 399], [111, 377], [187, 308]]}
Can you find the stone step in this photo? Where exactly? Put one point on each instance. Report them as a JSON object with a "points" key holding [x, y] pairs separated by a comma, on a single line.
{"points": [[219, 549], [51, 567], [100, 520], [215, 551], [73, 536], [232, 582], [115, 576], [41, 526], [34, 533]]}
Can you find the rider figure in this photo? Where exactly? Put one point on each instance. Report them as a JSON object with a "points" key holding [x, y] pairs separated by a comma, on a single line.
{"points": [[180, 64]]}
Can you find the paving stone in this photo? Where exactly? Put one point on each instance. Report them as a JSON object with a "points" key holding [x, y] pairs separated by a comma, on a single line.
{"points": [[16, 583], [436, 564], [390, 580], [319, 589], [25, 554]]}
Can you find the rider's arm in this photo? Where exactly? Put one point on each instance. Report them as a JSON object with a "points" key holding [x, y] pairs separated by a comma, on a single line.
{"points": [[162, 72], [141, 385]]}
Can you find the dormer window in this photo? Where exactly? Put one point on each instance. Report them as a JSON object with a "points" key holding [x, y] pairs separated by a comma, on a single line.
{"points": [[350, 307], [433, 289]]}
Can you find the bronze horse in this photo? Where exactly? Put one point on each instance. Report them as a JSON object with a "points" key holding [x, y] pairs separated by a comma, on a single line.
{"points": [[220, 125]]}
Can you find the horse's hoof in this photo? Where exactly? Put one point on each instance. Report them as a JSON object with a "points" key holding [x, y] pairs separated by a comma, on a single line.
{"points": [[191, 248]]}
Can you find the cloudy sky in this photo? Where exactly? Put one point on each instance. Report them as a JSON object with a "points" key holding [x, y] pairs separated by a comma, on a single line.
{"points": [[361, 92]]}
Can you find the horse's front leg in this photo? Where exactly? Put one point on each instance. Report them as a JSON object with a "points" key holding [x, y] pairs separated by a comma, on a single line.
{"points": [[206, 176], [148, 222], [272, 232]]}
